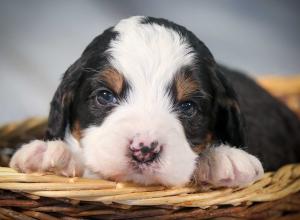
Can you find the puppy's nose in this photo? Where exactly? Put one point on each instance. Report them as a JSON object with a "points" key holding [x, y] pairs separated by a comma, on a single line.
{"points": [[144, 152]]}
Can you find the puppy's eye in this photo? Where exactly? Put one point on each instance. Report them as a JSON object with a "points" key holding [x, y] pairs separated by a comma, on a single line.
{"points": [[187, 108], [105, 97]]}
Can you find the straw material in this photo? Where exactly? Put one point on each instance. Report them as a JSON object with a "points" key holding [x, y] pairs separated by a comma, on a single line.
{"points": [[24, 195], [272, 187], [51, 197]]}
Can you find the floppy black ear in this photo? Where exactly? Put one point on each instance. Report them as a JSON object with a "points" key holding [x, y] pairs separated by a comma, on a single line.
{"points": [[59, 115], [229, 123]]}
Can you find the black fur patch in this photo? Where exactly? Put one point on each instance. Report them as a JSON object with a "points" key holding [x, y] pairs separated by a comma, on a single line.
{"points": [[232, 108]]}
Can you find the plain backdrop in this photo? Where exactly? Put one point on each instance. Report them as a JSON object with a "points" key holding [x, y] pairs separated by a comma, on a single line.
{"points": [[40, 39]]}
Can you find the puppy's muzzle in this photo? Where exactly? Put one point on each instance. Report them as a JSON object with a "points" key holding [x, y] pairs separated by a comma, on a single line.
{"points": [[144, 150]]}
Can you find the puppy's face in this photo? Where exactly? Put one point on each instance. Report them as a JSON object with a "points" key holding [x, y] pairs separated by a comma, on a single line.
{"points": [[141, 101]]}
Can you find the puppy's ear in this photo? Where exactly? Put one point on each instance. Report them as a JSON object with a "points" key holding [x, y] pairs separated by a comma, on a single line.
{"points": [[60, 106], [229, 123]]}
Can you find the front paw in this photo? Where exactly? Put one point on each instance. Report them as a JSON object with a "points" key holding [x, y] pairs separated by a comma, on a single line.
{"points": [[228, 166], [29, 157], [51, 156]]}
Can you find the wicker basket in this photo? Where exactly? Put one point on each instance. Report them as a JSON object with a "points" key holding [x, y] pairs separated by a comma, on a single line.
{"points": [[49, 197]]}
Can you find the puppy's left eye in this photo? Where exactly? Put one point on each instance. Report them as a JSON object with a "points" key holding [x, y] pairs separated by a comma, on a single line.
{"points": [[105, 97], [188, 108]]}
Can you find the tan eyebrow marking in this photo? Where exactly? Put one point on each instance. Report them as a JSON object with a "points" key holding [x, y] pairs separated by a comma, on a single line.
{"points": [[113, 78], [185, 86]]}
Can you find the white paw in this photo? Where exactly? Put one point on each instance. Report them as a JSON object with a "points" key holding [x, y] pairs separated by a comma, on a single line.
{"points": [[51, 156], [228, 166]]}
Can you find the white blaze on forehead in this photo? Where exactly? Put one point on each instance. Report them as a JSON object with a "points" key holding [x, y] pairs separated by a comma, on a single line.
{"points": [[148, 55]]}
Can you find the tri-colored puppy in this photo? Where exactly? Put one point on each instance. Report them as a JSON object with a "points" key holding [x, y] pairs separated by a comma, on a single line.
{"points": [[146, 102]]}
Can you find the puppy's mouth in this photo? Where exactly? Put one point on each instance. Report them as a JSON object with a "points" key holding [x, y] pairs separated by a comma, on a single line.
{"points": [[145, 160]]}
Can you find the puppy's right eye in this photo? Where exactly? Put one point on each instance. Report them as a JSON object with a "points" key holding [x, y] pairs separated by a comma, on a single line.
{"points": [[106, 97]]}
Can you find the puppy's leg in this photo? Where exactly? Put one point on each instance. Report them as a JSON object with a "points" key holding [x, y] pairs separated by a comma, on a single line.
{"points": [[228, 166], [50, 156]]}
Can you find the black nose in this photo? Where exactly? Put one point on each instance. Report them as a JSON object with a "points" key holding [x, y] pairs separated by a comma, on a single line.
{"points": [[145, 149], [146, 154]]}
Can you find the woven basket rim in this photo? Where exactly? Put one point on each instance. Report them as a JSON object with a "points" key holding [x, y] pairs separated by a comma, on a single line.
{"points": [[273, 186]]}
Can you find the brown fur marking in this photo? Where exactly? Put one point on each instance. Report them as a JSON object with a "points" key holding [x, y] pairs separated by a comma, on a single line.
{"points": [[114, 79], [201, 147], [76, 131], [185, 86]]}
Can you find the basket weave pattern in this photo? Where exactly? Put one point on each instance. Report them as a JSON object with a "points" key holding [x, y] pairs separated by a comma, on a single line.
{"points": [[78, 197], [50, 197]]}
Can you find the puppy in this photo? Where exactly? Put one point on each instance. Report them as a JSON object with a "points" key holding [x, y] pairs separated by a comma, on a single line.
{"points": [[146, 102]]}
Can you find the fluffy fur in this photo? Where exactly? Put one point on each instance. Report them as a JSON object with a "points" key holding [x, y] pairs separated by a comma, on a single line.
{"points": [[148, 56], [147, 103]]}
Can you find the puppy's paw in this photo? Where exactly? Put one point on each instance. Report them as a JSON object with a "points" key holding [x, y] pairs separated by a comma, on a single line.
{"points": [[52, 156], [60, 160], [228, 166], [29, 157]]}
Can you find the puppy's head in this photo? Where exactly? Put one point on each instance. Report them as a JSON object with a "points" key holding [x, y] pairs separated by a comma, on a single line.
{"points": [[143, 100]]}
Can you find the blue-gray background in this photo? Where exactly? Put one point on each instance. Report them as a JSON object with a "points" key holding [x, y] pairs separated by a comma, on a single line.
{"points": [[40, 39]]}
